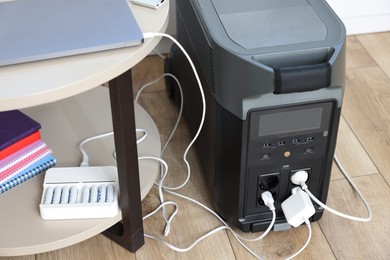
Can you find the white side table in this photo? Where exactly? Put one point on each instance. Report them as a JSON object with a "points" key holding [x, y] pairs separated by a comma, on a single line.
{"points": [[39, 83]]}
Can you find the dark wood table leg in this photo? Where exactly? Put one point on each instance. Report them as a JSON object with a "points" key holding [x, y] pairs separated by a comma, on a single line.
{"points": [[129, 232]]}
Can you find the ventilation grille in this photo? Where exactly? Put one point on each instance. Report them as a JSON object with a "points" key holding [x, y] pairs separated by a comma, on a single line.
{"points": [[212, 71]]}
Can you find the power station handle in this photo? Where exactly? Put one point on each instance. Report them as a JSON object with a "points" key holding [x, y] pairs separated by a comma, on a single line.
{"points": [[302, 78]]}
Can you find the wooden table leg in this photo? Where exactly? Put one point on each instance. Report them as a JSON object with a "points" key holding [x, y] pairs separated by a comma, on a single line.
{"points": [[129, 233]]}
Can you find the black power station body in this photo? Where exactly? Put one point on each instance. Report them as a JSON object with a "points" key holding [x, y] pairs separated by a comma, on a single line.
{"points": [[273, 76]]}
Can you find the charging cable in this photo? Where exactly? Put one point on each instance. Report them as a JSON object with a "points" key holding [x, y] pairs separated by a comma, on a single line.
{"points": [[139, 92], [168, 221], [307, 222], [268, 201], [267, 196], [152, 35], [297, 209], [180, 109], [85, 158], [300, 178]]}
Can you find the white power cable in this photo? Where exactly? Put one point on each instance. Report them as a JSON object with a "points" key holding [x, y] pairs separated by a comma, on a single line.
{"points": [[213, 231], [171, 134], [164, 172], [225, 226], [85, 158], [170, 190], [152, 35], [353, 185], [223, 222], [300, 178], [161, 195], [181, 104], [307, 242]]}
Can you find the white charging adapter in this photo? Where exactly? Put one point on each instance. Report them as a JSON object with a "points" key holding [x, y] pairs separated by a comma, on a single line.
{"points": [[298, 207], [300, 178]]}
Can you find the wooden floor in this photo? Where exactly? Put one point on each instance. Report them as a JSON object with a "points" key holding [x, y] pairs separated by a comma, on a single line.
{"points": [[363, 148]]}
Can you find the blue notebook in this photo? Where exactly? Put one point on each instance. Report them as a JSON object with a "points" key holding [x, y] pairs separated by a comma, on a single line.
{"points": [[14, 126]]}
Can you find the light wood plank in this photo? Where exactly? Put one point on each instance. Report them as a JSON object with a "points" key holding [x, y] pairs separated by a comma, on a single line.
{"points": [[191, 223], [27, 257], [163, 111], [378, 46], [282, 244], [357, 56], [358, 240], [98, 247], [351, 154], [367, 112], [149, 69]]}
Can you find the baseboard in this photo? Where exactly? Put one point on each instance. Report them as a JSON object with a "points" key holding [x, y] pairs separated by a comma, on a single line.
{"points": [[367, 24]]}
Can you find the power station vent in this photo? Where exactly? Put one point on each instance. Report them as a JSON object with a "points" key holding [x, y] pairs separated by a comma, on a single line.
{"points": [[212, 70]]}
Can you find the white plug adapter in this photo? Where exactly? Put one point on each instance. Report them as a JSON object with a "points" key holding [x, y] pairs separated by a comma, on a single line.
{"points": [[298, 207], [300, 178]]}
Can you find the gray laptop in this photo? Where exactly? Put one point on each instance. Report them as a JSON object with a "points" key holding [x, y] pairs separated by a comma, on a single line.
{"points": [[32, 30]]}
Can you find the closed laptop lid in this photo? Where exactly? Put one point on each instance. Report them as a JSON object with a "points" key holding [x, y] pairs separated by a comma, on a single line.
{"points": [[32, 30]]}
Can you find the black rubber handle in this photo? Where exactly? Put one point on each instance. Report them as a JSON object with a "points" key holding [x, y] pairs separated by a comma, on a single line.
{"points": [[302, 78]]}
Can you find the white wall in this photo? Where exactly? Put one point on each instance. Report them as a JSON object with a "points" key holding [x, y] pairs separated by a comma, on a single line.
{"points": [[363, 16]]}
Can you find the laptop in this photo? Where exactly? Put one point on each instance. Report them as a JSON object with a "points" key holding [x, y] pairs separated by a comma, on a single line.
{"points": [[32, 30]]}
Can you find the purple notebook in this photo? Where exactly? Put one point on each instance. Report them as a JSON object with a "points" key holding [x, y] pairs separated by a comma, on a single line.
{"points": [[14, 126]]}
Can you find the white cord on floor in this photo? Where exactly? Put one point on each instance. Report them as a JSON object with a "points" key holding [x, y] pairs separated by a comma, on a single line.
{"points": [[225, 226], [340, 214], [307, 242], [213, 231]]}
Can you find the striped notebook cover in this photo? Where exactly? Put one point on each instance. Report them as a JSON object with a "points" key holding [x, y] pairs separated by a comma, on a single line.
{"points": [[40, 166], [29, 157]]}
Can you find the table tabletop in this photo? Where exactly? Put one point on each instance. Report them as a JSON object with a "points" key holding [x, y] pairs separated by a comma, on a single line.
{"points": [[35, 83]]}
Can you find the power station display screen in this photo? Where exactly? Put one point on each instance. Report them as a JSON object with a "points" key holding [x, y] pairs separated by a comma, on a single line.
{"points": [[290, 121]]}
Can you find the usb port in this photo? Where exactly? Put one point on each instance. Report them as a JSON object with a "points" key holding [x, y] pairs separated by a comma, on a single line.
{"points": [[310, 139], [267, 145], [295, 141], [280, 143]]}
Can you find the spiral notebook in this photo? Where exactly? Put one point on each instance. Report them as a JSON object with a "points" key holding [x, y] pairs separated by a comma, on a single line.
{"points": [[38, 167]]}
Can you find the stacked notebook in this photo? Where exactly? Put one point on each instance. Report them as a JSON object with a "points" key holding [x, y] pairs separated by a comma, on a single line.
{"points": [[22, 152]]}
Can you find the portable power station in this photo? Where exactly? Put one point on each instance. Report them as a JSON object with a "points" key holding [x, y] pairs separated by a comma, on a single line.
{"points": [[273, 73]]}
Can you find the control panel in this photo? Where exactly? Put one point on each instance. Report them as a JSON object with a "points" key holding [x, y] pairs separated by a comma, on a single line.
{"points": [[282, 141]]}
